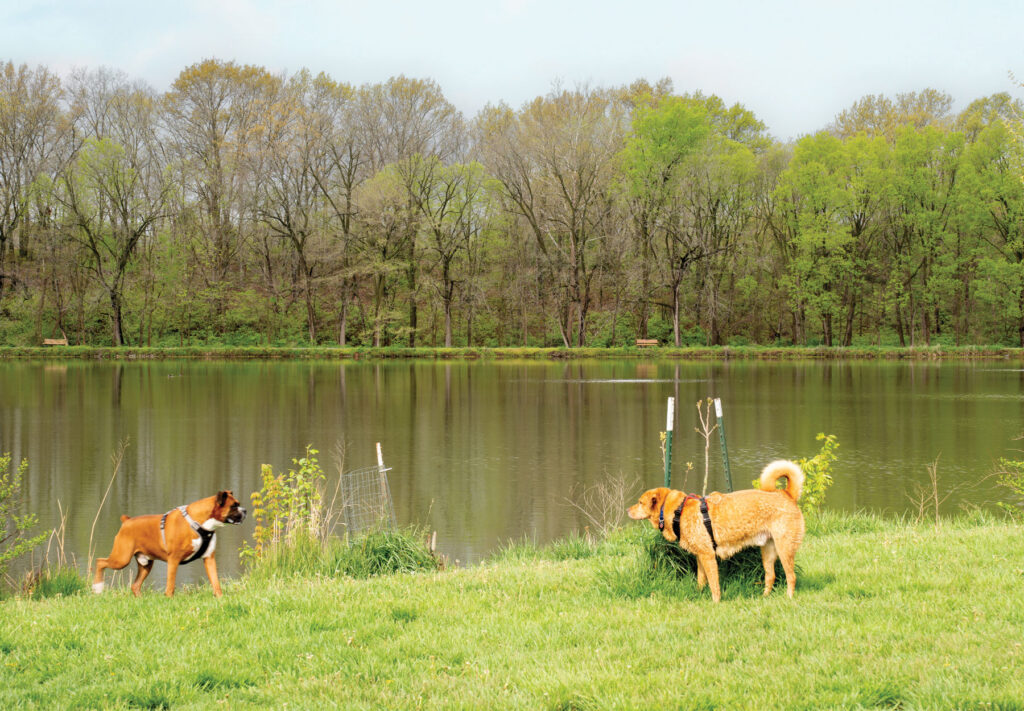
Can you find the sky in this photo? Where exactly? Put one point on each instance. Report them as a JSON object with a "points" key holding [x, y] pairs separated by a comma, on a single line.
{"points": [[795, 64]]}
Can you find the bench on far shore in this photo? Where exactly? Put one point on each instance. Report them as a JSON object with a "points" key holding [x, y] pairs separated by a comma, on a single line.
{"points": [[55, 341], [644, 342]]}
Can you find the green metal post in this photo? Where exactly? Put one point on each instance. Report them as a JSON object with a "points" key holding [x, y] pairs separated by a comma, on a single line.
{"points": [[721, 439], [668, 442]]}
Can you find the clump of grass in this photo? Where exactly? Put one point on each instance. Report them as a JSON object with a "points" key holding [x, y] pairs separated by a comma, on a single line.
{"points": [[63, 581], [387, 551], [379, 552]]}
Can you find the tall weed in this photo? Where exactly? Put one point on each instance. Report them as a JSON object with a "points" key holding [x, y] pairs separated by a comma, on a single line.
{"points": [[1010, 473]]}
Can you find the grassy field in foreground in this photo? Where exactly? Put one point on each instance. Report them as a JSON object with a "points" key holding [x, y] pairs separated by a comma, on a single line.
{"points": [[359, 353], [886, 615]]}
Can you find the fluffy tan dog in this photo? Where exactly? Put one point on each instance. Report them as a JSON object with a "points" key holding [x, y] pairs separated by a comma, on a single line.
{"points": [[723, 524]]}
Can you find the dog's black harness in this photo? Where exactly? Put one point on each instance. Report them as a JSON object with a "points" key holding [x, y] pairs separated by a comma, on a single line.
{"points": [[204, 536], [679, 512]]}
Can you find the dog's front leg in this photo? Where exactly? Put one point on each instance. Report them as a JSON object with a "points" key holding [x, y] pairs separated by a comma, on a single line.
{"points": [[211, 573], [172, 572], [710, 566]]}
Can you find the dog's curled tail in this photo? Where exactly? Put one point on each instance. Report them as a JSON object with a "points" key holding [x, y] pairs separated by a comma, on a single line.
{"points": [[793, 474]]}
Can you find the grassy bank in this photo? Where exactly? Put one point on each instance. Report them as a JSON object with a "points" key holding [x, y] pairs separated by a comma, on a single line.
{"points": [[887, 615], [359, 353]]}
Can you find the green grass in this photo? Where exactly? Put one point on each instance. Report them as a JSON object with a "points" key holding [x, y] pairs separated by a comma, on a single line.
{"points": [[358, 353], [886, 615]]}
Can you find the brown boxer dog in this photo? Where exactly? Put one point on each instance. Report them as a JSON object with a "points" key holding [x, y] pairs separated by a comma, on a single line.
{"points": [[179, 536]]}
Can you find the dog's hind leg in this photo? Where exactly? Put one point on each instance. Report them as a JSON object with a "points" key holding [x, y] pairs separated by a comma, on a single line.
{"points": [[768, 557], [702, 578], [144, 570], [787, 554], [120, 556], [710, 565]]}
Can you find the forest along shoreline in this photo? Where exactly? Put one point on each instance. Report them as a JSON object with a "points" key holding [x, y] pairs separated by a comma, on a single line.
{"points": [[468, 353]]}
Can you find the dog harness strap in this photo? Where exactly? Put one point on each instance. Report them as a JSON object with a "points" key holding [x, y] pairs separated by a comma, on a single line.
{"points": [[661, 517], [675, 518], [204, 536], [163, 539], [679, 513], [707, 522]]}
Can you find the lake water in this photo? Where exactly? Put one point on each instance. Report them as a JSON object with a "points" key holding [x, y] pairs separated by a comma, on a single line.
{"points": [[487, 452]]}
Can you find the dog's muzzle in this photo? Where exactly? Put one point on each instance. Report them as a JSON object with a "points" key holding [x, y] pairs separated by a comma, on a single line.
{"points": [[236, 516]]}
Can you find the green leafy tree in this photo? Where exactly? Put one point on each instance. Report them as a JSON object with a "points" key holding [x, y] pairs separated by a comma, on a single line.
{"points": [[719, 201], [919, 224], [665, 135], [113, 195], [995, 204], [833, 191]]}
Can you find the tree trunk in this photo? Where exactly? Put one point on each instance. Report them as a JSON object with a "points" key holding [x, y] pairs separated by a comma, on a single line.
{"points": [[447, 323], [899, 325], [851, 313], [677, 338], [115, 315], [343, 323]]}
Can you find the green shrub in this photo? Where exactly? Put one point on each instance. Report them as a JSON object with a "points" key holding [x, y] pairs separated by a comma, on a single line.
{"points": [[15, 540], [288, 505], [818, 473]]}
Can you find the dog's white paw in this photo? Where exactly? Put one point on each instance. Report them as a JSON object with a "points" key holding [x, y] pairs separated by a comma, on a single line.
{"points": [[97, 588]]}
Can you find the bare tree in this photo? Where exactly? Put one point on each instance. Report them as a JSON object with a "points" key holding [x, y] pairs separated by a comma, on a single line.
{"points": [[402, 120], [32, 128], [554, 159], [216, 113]]}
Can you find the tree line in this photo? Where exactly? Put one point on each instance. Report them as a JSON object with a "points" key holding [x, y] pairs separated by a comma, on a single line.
{"points": [[247, 207]]}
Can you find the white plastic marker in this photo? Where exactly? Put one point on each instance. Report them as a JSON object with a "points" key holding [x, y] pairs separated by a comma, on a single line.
{"points": [[668, 440], [721, 440]]}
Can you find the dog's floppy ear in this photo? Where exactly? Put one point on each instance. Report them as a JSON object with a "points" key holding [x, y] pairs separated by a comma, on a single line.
{"points": [[222, 498], [656, 497]]}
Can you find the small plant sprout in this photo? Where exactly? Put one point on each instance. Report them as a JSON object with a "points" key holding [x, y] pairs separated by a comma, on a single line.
{"points": [[705, 430]]}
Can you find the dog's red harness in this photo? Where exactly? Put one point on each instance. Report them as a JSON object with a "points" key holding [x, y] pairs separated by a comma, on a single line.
{"points": [[679, 511]]}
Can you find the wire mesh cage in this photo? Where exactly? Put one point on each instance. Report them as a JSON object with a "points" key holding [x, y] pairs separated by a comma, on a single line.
{"points": [[366, 500]]}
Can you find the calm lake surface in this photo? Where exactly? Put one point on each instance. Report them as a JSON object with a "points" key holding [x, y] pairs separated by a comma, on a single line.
{"points": [[487, 452]]}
